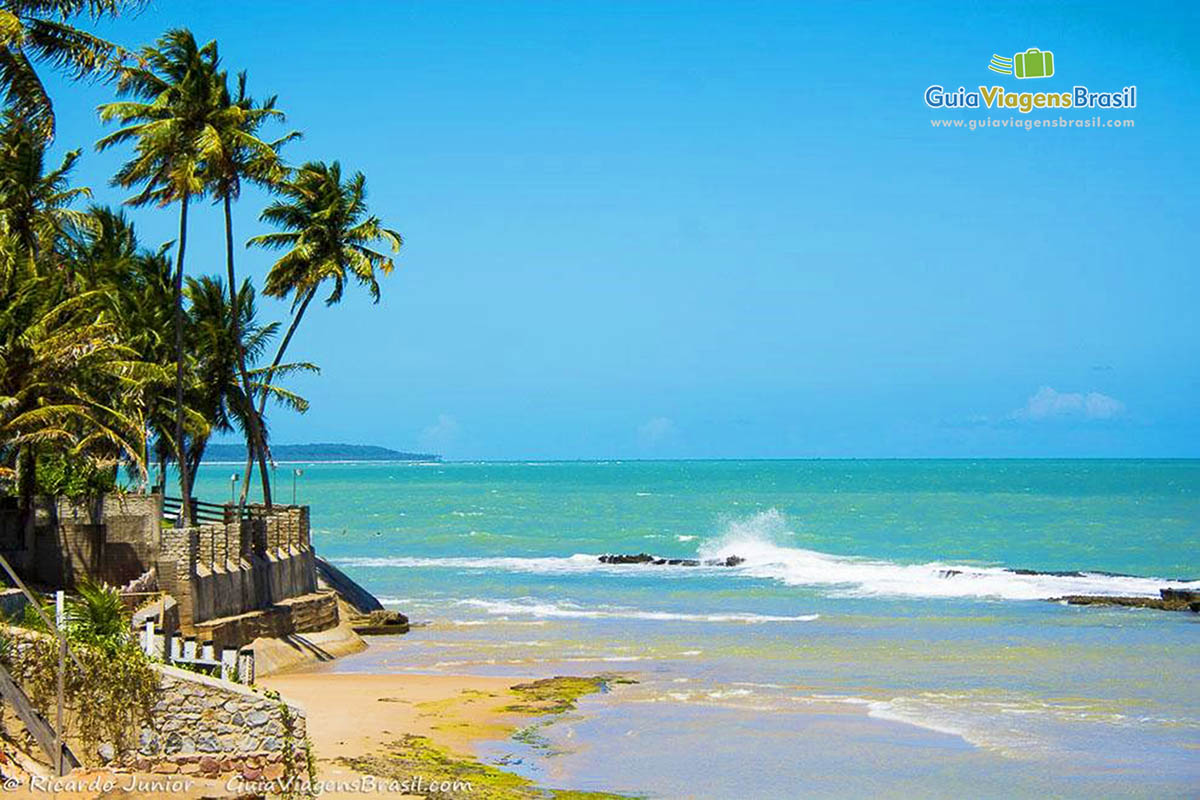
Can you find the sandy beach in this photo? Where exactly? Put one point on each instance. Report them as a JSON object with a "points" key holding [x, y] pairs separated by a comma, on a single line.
{"points": [[372, 733], [350, 716]]}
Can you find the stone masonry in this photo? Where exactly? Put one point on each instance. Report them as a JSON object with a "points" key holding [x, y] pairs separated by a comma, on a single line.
{"points": [[204, 726], [200, 725], [240, 566]]}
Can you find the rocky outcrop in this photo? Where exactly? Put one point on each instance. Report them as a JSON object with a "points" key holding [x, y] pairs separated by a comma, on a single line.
{"points": [[646, 558], [1168, 600], [380, 623]]}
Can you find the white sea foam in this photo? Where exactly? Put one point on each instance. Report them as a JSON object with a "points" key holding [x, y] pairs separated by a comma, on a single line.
{"points": [[765, 542], [565, 610], [550, 565], [756, 540]]}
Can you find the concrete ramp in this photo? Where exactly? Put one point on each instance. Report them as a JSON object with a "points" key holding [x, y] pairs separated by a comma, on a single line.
{"points": [[354, 595]]}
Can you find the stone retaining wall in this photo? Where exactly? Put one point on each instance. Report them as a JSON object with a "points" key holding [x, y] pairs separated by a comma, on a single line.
{"points": [[305, 614], [225, 570], [199, 725], [205, 726], [113, 539]]}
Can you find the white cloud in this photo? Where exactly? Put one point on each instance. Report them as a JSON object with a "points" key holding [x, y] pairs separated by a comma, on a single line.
{"points": [[1048, 403], [654, 431], [440, 434]]}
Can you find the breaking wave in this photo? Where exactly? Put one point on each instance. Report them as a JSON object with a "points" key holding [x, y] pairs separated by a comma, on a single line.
{"points": [[564, 610], [756, 539]]}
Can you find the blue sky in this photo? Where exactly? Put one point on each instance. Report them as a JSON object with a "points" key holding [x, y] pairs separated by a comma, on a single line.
{"points": [[729, 230]]}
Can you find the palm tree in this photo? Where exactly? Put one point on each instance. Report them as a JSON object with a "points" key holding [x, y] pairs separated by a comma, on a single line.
{"points": [[173, 120], [242, 156], [220, 396], [35, 204], [97, 616], [65, 381], [136, 285], [38, 30], [328, 234]]}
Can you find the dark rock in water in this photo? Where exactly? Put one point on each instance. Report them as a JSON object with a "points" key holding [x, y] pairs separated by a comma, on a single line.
{"points": [[646, 558], [1179, 595], [380, 623], [949, 573], [1065, 574], [1160, 603], [640, 558]]}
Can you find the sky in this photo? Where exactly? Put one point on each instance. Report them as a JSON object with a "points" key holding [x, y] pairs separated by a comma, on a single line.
{"points": [[726, 230]]}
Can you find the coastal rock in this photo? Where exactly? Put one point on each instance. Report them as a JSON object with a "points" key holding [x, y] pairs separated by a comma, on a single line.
{"points": [[646, 558], [1171, 600], [640, 558], [380, 623], [1050, 573]]}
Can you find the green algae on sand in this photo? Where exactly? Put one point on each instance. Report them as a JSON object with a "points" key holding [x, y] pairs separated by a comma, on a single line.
{"points": [[447, 776], [558, 695]]}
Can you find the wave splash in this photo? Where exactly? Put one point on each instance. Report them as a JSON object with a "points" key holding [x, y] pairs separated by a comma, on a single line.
{"points": [[756, 540], [760, 540]]}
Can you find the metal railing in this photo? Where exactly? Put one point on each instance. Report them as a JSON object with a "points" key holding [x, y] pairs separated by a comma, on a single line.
{"points": [[202, 512]]}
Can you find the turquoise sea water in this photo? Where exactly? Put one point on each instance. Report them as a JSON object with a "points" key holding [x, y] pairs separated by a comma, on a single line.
{"points": [[887, 634]]}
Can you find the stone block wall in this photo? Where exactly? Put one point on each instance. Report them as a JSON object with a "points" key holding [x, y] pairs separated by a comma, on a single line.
{"points": [[113, 539], [12, 603], [282, 527], [306, 614], [224, 570], [204, 726], [199, 725]]}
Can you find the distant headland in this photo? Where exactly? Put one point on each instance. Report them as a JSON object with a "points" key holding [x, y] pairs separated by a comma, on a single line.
{"points": [[318, 452]]}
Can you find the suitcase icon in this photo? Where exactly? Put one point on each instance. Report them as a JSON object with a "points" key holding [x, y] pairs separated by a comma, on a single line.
{"points": [[1033, 63]]}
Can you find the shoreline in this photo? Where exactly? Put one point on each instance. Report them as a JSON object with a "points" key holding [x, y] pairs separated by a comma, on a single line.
{"points": [[403, 727]]}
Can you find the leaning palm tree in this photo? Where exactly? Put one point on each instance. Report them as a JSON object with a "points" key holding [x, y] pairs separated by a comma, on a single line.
{"points": [[173, 120], [241, 156], [40, 30], [219, 394], [328, 234]]}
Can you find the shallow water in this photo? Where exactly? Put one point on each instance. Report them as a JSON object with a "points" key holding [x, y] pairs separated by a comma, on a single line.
{"points": [[875, 640]]}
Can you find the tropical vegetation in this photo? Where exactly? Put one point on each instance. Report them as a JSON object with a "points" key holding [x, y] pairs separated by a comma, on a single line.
{"points": [[109, 685], [117, 360]]}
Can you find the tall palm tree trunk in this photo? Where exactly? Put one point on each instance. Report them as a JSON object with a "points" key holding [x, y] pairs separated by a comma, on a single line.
{"points": [[185, 485], [27, 493], [195, 456], [254, 441], [270, 375]]}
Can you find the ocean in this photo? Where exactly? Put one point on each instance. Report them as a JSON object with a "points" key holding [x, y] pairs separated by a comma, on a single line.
{"points": [[888, 632]]}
